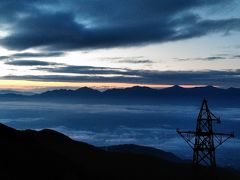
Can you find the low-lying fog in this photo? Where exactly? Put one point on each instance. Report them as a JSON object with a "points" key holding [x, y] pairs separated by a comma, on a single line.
{"points": [[103, 125]]}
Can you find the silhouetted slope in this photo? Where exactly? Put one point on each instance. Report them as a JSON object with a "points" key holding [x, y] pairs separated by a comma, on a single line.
{"points": [[135, 91], [48, 154], [16, 92], [143, 150], [81, 92]]}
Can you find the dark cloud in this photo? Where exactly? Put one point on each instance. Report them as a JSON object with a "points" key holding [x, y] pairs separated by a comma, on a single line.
{"points": [[12, 10], [69, 25], [30, 63], [44, 30], [130, 60], [31, 55], [39, 54], [221, 78], [4, 57], [140, 61], [209, 58], [88, 70], [101, 74], [212, 58], [236, 56]]}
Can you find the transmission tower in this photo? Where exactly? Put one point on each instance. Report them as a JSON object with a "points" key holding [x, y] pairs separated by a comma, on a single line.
{"points": [[204, 140]]}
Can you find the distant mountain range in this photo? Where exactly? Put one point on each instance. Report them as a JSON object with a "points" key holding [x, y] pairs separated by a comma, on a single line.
{"points": [[16, 92], [137, 95], [47, 154]]}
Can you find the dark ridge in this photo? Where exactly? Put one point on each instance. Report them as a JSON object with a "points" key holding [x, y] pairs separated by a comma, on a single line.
{"points": [[135, 91], [84, 92], [209, 89], [173, 90], [143, 150], [175, 87], [55, 93], [233, 90], [16, 92], [47, 154], [7, 132], [137, 95]]}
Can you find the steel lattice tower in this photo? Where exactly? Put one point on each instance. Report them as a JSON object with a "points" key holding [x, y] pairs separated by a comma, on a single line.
{"points": [[204, 140]]}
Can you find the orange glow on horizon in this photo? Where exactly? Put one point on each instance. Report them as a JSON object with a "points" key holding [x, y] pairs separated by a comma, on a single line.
{"points": [[35, 85]]}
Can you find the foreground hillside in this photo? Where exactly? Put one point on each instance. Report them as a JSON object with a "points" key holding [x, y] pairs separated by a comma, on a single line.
{"points": [[47, 154]]}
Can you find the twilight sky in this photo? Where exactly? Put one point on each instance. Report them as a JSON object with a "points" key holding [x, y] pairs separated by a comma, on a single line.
{"points": [[110, 43]]}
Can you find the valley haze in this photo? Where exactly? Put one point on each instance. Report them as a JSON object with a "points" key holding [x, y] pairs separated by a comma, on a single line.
{"points": [[136, 115]]}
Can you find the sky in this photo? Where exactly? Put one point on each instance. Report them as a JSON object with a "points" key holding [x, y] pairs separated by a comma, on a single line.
{"points": [[108, 43]]}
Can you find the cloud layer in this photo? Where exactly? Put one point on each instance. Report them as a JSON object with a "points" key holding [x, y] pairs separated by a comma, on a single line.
{"points": [[69, 25], [55, 27], [32, 55], [29, 63], [223, 78]]}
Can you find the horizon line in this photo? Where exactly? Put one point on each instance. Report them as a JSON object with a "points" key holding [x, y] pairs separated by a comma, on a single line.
{"points": [[38, 86]]}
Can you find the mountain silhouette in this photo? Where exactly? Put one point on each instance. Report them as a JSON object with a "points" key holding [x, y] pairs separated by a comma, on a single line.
{"points": [[16, 92], [84, 92], [174, 88], [143, 150], [137, 95], [47, 154]]}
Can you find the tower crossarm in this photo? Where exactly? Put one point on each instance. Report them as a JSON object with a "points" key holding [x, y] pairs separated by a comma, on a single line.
{"points": [[220, 138], [188, 136]]}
